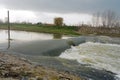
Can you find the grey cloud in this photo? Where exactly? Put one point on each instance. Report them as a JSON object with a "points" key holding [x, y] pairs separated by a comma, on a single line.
{"points": [[63, 6]]}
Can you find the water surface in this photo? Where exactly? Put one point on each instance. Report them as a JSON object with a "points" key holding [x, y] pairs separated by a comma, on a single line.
{"points": [[24, 36], [97, 55]]}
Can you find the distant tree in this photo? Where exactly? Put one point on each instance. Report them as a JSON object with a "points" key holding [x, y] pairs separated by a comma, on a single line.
{"points": [[39, 23], [58, 21], [96, 20], [117, 24], [109, 18]]}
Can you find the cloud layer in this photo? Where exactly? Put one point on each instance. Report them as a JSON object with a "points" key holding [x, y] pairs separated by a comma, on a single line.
{"points": [[73, 11], [62, 6]]}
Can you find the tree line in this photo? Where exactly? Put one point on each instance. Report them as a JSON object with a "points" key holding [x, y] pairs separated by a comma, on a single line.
{"points": [[106, 19], [103, 23]]}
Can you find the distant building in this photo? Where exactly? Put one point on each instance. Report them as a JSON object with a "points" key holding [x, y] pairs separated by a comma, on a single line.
{"points": [[58, 21]]}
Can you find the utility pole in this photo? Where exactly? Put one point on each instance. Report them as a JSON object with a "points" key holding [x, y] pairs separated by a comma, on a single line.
{"points": [[8, 30]]}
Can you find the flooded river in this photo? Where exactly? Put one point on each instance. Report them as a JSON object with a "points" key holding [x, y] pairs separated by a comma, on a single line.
{"points": [[91, 57], [97, 55], [24, 36]]}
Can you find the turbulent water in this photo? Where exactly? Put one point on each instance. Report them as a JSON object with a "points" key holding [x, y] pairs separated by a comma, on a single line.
{"points": [[97, 55]]}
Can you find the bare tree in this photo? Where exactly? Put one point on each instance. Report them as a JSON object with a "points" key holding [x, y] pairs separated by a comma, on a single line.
{"points": [[96, 19], [93, 20], [104, 19], [109, 18], [117, 25]]}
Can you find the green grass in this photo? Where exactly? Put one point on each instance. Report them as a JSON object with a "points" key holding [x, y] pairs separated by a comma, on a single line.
{"points": [[61, 30], [64, 30]]}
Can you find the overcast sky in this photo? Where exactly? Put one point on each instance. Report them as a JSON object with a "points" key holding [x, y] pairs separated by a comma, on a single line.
{"points": [[73, 11]]}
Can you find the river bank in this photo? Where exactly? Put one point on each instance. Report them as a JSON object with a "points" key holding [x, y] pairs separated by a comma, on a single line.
{"points": [[16, 68], [64, 30]]}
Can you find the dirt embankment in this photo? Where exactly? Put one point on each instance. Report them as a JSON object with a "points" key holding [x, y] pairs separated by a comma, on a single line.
{"points": [[16, 68]]}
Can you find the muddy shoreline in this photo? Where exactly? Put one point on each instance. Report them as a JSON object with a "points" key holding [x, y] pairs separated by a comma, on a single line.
{"points": [[14, 67]]}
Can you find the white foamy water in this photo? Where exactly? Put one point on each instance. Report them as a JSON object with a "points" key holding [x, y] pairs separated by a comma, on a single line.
{"points": [[98, 55]]}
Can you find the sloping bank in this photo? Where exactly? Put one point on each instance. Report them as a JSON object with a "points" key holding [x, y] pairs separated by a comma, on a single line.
{"points": [[13, 67], [46, 53]]}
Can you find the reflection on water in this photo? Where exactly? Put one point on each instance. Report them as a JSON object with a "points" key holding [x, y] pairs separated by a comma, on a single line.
{"points": [[3, 36], [57, 36], [24, 36], [29, 36]]}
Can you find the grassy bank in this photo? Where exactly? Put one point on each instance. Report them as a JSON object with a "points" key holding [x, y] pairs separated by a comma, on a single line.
{"points": [[66, 30]]}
